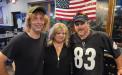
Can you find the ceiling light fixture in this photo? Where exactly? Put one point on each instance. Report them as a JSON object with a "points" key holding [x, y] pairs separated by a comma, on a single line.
{"points": [[13, 1]]}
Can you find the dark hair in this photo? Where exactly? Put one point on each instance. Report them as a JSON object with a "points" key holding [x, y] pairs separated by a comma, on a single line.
{"points": [[80, 17]]}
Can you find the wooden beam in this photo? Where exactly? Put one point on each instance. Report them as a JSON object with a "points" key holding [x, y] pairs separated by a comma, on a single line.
{"points": [[110, 18]]}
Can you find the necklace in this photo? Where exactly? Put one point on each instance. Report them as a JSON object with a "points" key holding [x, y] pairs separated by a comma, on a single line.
{"points": [[58, 48]]}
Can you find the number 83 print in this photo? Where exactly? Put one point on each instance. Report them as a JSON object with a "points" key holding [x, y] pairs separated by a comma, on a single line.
{"points": [[78, 53]]}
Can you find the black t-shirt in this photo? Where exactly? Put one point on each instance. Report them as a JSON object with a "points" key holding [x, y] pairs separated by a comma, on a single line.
{"points": [[57, 66], [89, 53], [27, 53]]}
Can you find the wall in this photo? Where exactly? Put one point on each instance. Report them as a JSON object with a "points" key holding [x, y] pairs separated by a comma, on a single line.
{"points": [[2, 4], [20, 5], [7, 8], [34, 0]]}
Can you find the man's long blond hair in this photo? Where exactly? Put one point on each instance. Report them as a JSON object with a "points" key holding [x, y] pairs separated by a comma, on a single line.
{"points": [[28, 22]]}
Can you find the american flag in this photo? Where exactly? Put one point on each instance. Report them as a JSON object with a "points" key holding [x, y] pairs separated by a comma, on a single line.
{"points": [[66, 9]]}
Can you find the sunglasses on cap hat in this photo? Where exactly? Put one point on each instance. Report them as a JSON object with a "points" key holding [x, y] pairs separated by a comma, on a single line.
{"points": [[36, 9], [77, 23]]}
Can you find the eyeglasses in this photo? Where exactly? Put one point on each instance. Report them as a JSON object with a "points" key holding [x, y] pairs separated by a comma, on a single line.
{"points": [[79, 23]]}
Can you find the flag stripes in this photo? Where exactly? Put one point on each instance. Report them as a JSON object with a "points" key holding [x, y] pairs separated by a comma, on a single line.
{"points": [[73, 6]]}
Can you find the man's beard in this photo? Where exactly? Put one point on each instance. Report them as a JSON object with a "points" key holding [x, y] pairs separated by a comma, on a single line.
{"points": [[85, 34]]}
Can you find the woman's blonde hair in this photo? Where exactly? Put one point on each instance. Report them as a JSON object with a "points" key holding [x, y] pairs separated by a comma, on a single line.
{"points": [[56, 27]]}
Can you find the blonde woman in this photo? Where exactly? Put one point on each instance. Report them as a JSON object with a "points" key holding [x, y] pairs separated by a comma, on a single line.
{"points": [[58, 54]]}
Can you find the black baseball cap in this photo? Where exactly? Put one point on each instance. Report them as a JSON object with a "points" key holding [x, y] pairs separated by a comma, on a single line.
{"points": [[37, 9], [80, 17]]}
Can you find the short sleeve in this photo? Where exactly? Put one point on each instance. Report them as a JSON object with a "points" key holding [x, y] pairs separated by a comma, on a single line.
{"points": [[110, 46], [10, 49]]}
